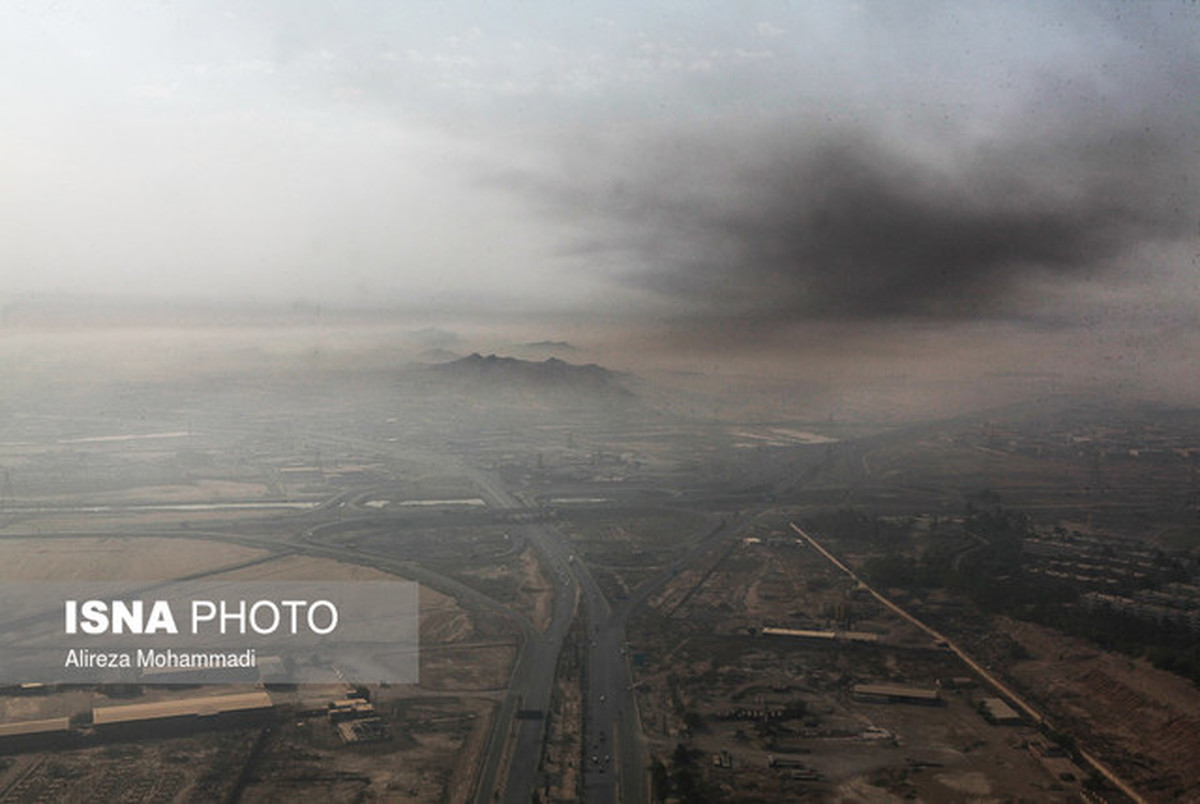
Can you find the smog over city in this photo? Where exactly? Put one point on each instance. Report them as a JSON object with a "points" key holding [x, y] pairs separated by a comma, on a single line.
{"points": [[642, 402]]}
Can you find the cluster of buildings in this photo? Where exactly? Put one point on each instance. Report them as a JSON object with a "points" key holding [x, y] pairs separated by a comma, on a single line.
{"points": [[1091, 562], [356, 720], [996, 711], [1174, 603]]}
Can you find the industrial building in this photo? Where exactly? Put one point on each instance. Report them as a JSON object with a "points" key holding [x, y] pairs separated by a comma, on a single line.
{"points": [[895, 693], [821, 636], [26, 688], [350, 709], [182, 714], [799, 633], [997, 712], [32, 735]]}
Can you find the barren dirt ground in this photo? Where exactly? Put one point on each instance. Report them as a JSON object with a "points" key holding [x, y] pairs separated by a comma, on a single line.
{"points": [[1151, 716]]}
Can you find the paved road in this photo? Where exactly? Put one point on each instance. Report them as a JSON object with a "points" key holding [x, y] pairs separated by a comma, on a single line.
{"points": [[613, 733], [614, 727], [616, 766], [533, 676]]}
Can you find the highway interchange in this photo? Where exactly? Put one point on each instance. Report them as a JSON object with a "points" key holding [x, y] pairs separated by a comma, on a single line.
{"points": [[615, 758]]}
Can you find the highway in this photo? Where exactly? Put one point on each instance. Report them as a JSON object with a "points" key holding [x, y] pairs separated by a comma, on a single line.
{"points": [[613, 723], [616, 761], [615, 758], [533, 677]]}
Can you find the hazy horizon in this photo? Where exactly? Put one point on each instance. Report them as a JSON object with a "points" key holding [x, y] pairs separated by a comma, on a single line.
{"points": [[836, 193]]}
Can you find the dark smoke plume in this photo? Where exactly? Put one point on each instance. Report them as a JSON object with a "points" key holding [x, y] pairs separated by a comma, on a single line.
{"points": [[845, 225]]}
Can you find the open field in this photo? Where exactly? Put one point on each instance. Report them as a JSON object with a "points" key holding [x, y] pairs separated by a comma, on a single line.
{"points": [[115, 558]]}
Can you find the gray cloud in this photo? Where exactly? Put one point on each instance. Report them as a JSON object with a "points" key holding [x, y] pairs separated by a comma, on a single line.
{"points": [[899, 198], [767, 163], [847, 223]]}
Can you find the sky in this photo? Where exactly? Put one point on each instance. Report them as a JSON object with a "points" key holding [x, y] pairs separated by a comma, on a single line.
{"points": [[714, 176]]}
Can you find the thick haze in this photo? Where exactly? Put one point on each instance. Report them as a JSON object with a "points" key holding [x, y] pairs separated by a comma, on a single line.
{"points": [[796, 178]]}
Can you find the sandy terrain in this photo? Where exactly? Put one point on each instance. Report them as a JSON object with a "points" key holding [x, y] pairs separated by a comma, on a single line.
{"points": [[113, 559]]}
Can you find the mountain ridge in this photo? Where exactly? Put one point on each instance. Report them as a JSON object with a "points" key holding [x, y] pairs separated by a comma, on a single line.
{"points": [[549, 374]]}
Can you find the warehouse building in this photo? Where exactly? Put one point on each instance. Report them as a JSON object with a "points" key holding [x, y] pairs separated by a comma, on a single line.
{"points": [[997, 712], [821, 636], [182, 714], [36, 735], [895, 693]]}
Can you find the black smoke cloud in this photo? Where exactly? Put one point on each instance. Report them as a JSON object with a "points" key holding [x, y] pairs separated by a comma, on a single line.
{"points": [[820, 222], [990, 191]]}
